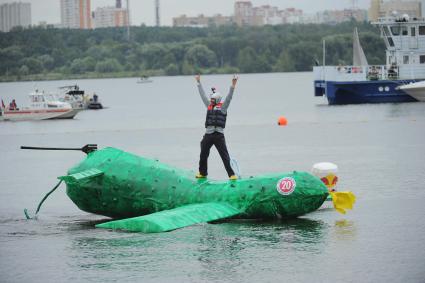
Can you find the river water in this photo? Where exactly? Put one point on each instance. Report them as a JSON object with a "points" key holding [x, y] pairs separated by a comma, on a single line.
{"points": [[379, 150]]}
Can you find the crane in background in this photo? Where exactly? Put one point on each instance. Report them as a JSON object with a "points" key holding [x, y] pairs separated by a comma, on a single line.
{"points": [[128, 20], [157, 17]]}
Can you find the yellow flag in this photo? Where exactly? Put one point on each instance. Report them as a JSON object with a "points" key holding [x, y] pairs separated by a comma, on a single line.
{"points": [[343, 201]]}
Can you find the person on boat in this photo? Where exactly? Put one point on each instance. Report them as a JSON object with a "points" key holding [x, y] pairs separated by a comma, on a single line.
{"points": [[373, 73], [13, 106], [392, 72], [215, 123]]}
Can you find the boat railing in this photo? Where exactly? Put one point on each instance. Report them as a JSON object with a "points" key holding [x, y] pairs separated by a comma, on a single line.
{"points": [[356, 73], [382, 72], [397, 19], [339, 73]]}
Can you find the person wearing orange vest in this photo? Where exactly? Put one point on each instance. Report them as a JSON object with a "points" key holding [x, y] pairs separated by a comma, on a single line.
{"points": [[215, 123], [13, 105]]}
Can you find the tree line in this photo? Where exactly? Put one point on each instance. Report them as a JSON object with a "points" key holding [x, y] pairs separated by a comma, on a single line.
{"points": [[181, 51]]}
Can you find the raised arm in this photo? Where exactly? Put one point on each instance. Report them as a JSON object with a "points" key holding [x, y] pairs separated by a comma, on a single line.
{"points": [[229, 97], [201, 91]]}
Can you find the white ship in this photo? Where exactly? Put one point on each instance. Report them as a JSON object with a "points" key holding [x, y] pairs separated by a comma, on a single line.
{"points": [[41, 106], [404, 38]]}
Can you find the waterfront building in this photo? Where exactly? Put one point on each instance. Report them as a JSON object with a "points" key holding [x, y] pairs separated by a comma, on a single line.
{"points": [[202, 21], [76, 14], [110, 17], [266, 15], [423, 8], [243, 13], [374, 10], [247, 15], [292, 16], [380, 8], [339, 16], [14, 14]]}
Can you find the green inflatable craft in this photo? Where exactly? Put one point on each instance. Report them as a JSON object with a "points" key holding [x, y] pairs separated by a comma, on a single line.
{"points": [[150, 196]]}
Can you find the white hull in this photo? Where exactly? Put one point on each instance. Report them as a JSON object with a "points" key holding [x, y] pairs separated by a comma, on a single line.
{"points": [[416, 90], [68, 115], [38, 114]]}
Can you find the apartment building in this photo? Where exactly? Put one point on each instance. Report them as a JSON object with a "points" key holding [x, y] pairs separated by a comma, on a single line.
{"points": [[202, 21], [380, 8], [76, 14], [110, 17], [14, 14]]}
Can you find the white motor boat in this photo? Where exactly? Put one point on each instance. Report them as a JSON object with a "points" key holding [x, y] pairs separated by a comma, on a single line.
{"points": [[416, 90], [144, 80], [41, 107], [79, 99]]}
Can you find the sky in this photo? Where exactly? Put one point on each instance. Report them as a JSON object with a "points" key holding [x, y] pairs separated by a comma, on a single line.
{"points": [[142, 11]]}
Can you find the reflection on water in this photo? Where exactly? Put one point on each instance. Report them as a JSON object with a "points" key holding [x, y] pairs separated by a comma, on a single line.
{"points": [[411, 109], [345, 230], [240, 242], [208, 251]]}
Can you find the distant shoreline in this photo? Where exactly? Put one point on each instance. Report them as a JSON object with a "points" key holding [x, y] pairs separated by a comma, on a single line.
{"points": [[93, 75], [56, 76], [60, 54]]}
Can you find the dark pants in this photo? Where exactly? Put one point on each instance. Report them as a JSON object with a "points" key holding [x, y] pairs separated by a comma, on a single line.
{"points": [[218, 140]]}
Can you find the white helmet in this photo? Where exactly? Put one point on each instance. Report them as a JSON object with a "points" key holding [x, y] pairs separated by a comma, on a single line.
{"points": [[216, 96]]}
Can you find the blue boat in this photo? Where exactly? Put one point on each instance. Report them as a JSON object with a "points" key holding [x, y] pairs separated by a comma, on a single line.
{"points": [[363, 83]]}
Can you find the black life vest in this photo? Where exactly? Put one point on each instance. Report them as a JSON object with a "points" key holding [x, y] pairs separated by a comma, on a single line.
{"points": [[215, 117]]}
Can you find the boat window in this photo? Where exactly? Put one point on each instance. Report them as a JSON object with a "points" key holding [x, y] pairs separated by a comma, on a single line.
{"points": [[421, 30], [395, 30], [404, 31], [412, 31], [422, 59], [390, 41], [386, 31], [406, 59]]}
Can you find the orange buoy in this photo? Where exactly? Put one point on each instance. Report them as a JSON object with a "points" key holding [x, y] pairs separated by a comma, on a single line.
{"points": [[282, 121]]}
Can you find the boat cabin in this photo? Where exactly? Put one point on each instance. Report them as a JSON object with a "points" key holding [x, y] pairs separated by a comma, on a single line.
{"points": [[404, 39], [37, 100], [42, 100]]}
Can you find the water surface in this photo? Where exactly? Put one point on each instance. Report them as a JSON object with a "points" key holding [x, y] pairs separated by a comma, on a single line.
{"points": [[379, 150]]}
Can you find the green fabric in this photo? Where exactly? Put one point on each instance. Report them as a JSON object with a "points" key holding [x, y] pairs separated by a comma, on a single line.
{"points": [[172, 219], [90, 173], [133, 186]]}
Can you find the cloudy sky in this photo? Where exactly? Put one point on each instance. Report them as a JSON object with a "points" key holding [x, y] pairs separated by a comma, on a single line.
{"points": [[142, 11]]}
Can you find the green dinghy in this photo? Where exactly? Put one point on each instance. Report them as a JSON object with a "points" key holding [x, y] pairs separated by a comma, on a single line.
{"points": [[149, 196]]}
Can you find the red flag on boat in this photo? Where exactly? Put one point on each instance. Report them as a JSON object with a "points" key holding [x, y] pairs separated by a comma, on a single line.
{"points": [[2, 104]]}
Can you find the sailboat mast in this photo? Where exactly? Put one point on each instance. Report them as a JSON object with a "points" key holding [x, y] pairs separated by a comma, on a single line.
{"points": [[324, 59]]}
